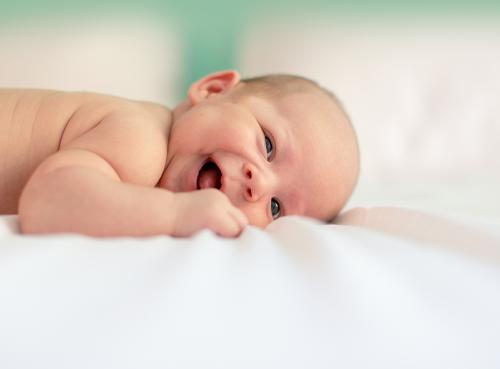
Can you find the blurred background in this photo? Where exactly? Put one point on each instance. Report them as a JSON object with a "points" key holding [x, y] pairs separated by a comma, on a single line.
{"points": [[420, 80]]}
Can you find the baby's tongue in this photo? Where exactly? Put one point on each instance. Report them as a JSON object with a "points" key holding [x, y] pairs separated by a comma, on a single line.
{"points": [[209, 177]]}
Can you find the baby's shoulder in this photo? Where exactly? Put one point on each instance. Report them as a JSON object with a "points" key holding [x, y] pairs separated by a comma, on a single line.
{"points": [[94, 108], [131, 135]]}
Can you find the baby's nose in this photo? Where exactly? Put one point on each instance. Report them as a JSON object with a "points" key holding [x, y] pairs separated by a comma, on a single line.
{"points": [[255, 184]]}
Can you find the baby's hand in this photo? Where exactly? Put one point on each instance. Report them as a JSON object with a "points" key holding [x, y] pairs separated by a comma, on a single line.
{"points": [[207, 208]]}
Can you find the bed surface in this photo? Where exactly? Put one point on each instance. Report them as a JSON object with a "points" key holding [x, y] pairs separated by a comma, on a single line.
{"points": [[298, 295]]}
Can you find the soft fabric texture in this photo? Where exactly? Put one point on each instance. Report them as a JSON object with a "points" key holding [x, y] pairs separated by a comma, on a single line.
{"points": [[299, 294]]}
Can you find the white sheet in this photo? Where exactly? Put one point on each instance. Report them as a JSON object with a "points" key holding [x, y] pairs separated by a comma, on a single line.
{"points": [[298, 295]]}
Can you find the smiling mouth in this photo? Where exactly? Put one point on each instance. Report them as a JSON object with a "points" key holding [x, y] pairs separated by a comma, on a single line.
{"points": [[209, 176]]}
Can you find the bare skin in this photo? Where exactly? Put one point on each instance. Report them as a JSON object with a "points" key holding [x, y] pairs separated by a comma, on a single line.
{"points": [[89, 163], [107, 166], [35, 124]]}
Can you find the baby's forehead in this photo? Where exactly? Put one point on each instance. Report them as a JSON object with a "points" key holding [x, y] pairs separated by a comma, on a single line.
{"points": [[314, 102]]}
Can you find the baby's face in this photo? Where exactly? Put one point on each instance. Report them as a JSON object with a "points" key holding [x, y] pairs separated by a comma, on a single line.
{"points": [[273, 158]]}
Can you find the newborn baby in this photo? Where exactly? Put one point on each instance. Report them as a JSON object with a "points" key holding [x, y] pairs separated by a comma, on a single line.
{"points": [[235, 152]]}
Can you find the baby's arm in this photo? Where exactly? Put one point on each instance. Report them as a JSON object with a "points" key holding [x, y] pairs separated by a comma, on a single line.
{"points": [[82, 189], [78, 191]]}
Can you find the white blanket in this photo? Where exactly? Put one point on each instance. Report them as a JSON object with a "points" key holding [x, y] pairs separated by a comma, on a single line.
{"points": [[298, 295]]}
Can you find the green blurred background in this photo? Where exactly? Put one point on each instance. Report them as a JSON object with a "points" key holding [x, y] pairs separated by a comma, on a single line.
{"points": [[211, 29]]}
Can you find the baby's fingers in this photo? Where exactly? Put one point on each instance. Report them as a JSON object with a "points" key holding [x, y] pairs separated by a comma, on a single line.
{"points": [[228, 228], [231, 224], [240, 218]]}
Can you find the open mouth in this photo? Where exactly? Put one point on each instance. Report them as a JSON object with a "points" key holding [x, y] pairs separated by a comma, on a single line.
{"points": [[209, 176]]}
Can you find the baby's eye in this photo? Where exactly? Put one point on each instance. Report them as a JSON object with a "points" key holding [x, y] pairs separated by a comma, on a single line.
{"points": [[269, 146], [275, 208]]}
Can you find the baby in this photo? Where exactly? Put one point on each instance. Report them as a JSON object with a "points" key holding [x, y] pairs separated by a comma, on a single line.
{"points": [[235, 152]]}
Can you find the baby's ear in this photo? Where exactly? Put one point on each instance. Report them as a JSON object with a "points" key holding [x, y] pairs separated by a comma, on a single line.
{"points": [[215, 83]]}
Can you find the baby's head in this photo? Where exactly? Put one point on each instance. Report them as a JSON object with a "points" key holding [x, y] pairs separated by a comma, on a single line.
{"points": [[275, 145]]}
